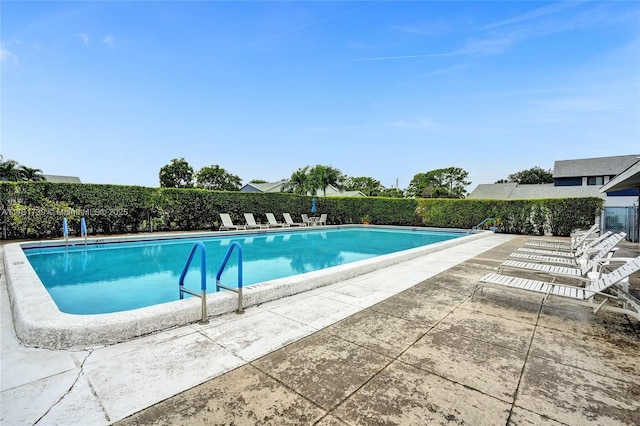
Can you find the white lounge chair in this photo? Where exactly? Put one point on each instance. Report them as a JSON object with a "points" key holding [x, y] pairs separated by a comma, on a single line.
{"points": [[273, 223], [592, 295], [547, 265], [251, 222], [563, 253], [227, 223], [578, 239], [289, 221]]}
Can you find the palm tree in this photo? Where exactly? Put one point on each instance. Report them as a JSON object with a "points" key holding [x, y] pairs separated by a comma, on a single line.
{"points": [[31, 174], [324, 176], [9, 171], [298, 183]]}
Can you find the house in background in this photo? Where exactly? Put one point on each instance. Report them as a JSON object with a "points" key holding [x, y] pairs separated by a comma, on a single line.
{"points": [[331, 190], [580, 178], [61, 179], [571, 178]]}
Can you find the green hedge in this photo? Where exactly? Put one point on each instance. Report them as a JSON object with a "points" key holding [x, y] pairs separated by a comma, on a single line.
{"points": [[36, 209], [557, 216]]}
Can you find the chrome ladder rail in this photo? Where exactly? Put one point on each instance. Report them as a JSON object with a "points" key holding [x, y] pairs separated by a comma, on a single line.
{"points": [[238, 289], [489, 219], [203, 279]]}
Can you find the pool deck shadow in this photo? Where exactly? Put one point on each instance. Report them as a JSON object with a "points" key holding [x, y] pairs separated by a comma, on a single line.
{"points": [[403, 345]]}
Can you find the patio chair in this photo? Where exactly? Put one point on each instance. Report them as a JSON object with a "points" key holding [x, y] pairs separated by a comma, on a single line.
{"points": [[273, 223], [305, 219], [251, 222], [322, 220], [227, 223], [592, 295], [289, 221]]}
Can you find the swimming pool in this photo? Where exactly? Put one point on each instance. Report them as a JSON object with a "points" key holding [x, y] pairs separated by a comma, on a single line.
{"points": [[39, 322], [104, 278]]}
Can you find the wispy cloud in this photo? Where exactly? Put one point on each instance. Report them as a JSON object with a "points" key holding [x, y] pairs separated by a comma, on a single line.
{"points": [[534, 14], [85, 38], [426, 29], [390, 58], [7, 56], [109, 40], [338, 128], [422, 123]]}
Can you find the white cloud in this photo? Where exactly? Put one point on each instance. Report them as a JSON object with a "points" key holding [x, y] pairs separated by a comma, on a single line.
{"points": [[85, 38], [109, 40], [7, 56]]}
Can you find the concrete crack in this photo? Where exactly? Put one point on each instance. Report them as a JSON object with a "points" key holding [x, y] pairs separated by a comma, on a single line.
{"points": [[68, 391]]}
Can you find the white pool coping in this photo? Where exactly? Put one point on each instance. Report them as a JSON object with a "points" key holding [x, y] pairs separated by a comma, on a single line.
{"points": [[39, 323]]}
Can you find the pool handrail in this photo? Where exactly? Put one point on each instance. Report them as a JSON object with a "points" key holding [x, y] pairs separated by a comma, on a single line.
{"points": [[489, 219], [238, 289], [203, 278]]}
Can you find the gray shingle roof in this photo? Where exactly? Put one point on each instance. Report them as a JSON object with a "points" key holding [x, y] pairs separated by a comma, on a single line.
{"points": [[61, 179], [514, 191], [602, 166]]}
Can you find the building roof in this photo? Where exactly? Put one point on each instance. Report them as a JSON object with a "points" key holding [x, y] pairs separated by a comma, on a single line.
{"points": [[514, 191], [627, 179], [61, 179], [265, 187], [331, 190], [601, 166]]}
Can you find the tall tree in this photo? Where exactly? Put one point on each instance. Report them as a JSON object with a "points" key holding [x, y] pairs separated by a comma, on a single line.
{"points": [[217, 178], [177, 174], [31, 174], [10, 170], [449, 182], [323, 176], [367, 185], [533, 175], [298, 183]]}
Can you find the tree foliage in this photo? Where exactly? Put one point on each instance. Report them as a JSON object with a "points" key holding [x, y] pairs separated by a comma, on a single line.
{"points": [[177, 174], [367, 185], [216, 178], [298, 183], [322, 176], [11, 170], [533, 175], [449, 182], [308, 180]]}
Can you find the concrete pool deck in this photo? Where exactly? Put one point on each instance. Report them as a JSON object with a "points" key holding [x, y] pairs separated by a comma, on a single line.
{"points": [[400, 345]]}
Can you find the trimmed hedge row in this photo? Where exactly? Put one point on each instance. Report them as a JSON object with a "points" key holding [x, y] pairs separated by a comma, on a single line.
{"points": [[36, 209], [557, 216]]}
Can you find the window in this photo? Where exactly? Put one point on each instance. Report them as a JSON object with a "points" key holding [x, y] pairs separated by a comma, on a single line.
{"points": [[595, 180]]}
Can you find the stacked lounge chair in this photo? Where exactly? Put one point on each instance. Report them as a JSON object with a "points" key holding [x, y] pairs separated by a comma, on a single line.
{"points": [[600, 288], [547, 265], [578, 239]]}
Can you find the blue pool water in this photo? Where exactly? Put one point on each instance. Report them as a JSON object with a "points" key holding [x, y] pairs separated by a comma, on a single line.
{"points": [[101, 278]]}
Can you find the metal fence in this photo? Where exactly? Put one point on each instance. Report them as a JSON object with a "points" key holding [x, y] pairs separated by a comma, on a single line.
{"points": [[622, 219]]}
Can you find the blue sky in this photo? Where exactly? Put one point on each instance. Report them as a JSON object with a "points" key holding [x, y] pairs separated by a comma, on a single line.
{"points": [[112, 91]]}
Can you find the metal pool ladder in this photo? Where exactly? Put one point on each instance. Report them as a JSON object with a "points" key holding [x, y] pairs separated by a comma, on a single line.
{"points": [[203, 277], [238, 289], [489, 219]]}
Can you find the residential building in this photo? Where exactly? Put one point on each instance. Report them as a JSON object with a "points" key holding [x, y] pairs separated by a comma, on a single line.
{"points": [[331, 190], [61, 179]]}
